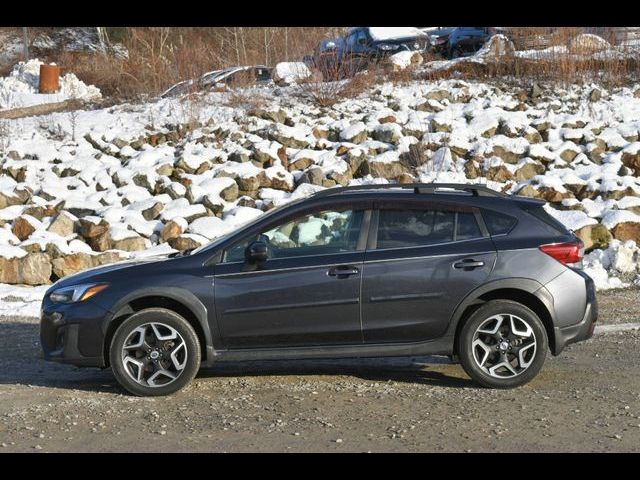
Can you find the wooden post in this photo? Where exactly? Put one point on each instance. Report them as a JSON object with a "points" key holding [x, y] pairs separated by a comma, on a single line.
{"points": [[25, 41]]}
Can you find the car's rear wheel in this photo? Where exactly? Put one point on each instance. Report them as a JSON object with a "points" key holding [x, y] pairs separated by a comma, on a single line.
{"points": [[154, 352], [503, 344]]}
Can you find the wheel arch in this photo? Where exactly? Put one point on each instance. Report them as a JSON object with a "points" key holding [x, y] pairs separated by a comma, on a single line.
{"points": [[527, 292], [177, 300]]}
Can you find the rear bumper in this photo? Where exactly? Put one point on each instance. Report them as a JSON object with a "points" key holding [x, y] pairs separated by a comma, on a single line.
{"points": [[582, 330]]}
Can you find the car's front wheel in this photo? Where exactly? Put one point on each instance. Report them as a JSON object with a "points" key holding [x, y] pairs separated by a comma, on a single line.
{"points": [[503, 344], [154, 352]]}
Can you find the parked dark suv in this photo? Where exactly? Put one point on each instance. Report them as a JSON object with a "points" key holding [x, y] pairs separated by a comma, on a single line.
{"points": [[366, 45], [363, 271]]}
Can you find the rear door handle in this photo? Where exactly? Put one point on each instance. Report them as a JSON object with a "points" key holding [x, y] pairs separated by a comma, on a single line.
{"points": [[468, 264], [343, 271]]}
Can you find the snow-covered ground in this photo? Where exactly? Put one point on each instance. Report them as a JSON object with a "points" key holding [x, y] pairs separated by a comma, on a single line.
{"points": [[91, 187], [20, 88]]}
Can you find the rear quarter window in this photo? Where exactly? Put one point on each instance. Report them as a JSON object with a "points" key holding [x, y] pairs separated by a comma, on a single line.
{"points": [[498, 223]]}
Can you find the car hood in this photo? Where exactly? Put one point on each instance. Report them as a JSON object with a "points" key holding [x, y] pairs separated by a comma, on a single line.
{"points": [[93, 274]]}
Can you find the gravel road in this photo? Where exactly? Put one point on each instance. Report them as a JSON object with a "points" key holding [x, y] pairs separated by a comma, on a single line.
{"points": [[588, 399]]}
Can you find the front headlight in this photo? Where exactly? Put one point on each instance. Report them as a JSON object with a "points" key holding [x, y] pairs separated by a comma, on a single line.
{"points": [[76, 293], [387, 47]]}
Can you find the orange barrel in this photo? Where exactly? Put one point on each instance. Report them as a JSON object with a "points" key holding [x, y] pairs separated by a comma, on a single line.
{"points": [[49, 78]]}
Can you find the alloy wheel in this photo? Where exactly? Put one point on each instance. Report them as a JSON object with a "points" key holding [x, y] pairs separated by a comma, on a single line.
{"points": [[504, 346], [154, 354]]}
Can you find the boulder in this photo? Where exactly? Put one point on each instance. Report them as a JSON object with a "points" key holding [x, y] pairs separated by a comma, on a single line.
{"points": [[153, 211], [313, 175], [387, 132], [172, 229], [130, 244], [529, 170], [32, 269], [183, 243], [101, 242], [594, 236], [354, 133], [22, 227], [632, 161], [627, 231], [63, 224], [70, 264], [499, 174], [90, 229]]}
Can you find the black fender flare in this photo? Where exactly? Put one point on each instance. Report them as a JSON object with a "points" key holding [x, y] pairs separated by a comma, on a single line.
{"points": [[527, 285], [180, 295]]}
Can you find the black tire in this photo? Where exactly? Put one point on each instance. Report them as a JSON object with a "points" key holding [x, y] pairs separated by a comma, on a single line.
{"points": [[165, 317], [465, 339]]}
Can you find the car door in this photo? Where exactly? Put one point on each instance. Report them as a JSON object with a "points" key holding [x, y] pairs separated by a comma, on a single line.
{"points": [[421, 261], [307, 293]]}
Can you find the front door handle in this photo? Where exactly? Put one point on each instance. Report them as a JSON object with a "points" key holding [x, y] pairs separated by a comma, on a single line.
{"points": [[468, 264], [343, 271]]}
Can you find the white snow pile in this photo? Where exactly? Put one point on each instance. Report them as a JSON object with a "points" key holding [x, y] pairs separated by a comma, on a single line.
{"points": [[290, 72], [605, 266], [405, 59], [20, 88], [21, 301]]}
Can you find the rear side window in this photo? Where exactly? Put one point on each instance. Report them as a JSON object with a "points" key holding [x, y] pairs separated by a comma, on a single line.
{"points": [[413, 228], [467, 227], [498, 223]]}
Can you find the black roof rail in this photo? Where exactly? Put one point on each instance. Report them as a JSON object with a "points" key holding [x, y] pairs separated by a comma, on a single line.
{"points": [[474, 189]]}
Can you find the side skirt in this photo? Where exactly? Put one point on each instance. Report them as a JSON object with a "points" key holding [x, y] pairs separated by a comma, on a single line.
{"points": [[439, 346]]}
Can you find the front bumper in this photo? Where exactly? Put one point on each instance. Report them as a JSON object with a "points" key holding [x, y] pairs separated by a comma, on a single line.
{"points": [[73, 334], [582, 330]]}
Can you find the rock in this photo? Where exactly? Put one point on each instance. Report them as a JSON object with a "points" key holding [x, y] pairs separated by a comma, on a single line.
{"points": [[532, 135], [404, 60], [499, 174], [153, 211], [535, 91], [32, 269], [440, 126], [40, 212], [388, 170], [355, 133], [313, 175], [278, 116], [528, 191], [471, 169], [594, 236], [89, 229], [387, 119], [183, 243], [320, 132], [438, 95], [70, 264], [632, 161], [627, 231], [230, 193], [529, 170], [387, 132], [288, 136], [101, 242], [596, 151], [239, 156], [507, 155], [636, 93], [130, 244], [172, 229], [569, 151], [22, 227], [595, 95], [63, 224]]}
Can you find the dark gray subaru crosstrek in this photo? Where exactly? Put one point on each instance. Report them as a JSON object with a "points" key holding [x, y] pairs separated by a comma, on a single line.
{"points": [[362, 271]]}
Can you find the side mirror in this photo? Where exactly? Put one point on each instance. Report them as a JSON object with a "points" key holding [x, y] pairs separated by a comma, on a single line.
{"points": [[256, 252]]}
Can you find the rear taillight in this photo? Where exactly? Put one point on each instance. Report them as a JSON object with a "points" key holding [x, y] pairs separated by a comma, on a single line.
{"points": [[569, 253]]}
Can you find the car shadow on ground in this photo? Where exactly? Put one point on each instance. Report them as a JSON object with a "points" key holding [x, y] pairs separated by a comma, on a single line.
{"points": [[21, 358]]}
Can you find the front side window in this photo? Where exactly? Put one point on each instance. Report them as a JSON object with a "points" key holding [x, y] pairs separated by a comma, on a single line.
{"points": [[414, 228], [319, 233]]}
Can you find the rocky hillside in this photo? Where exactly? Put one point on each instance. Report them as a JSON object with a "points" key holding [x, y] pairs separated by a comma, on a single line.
{"points": [[91, 187]]}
